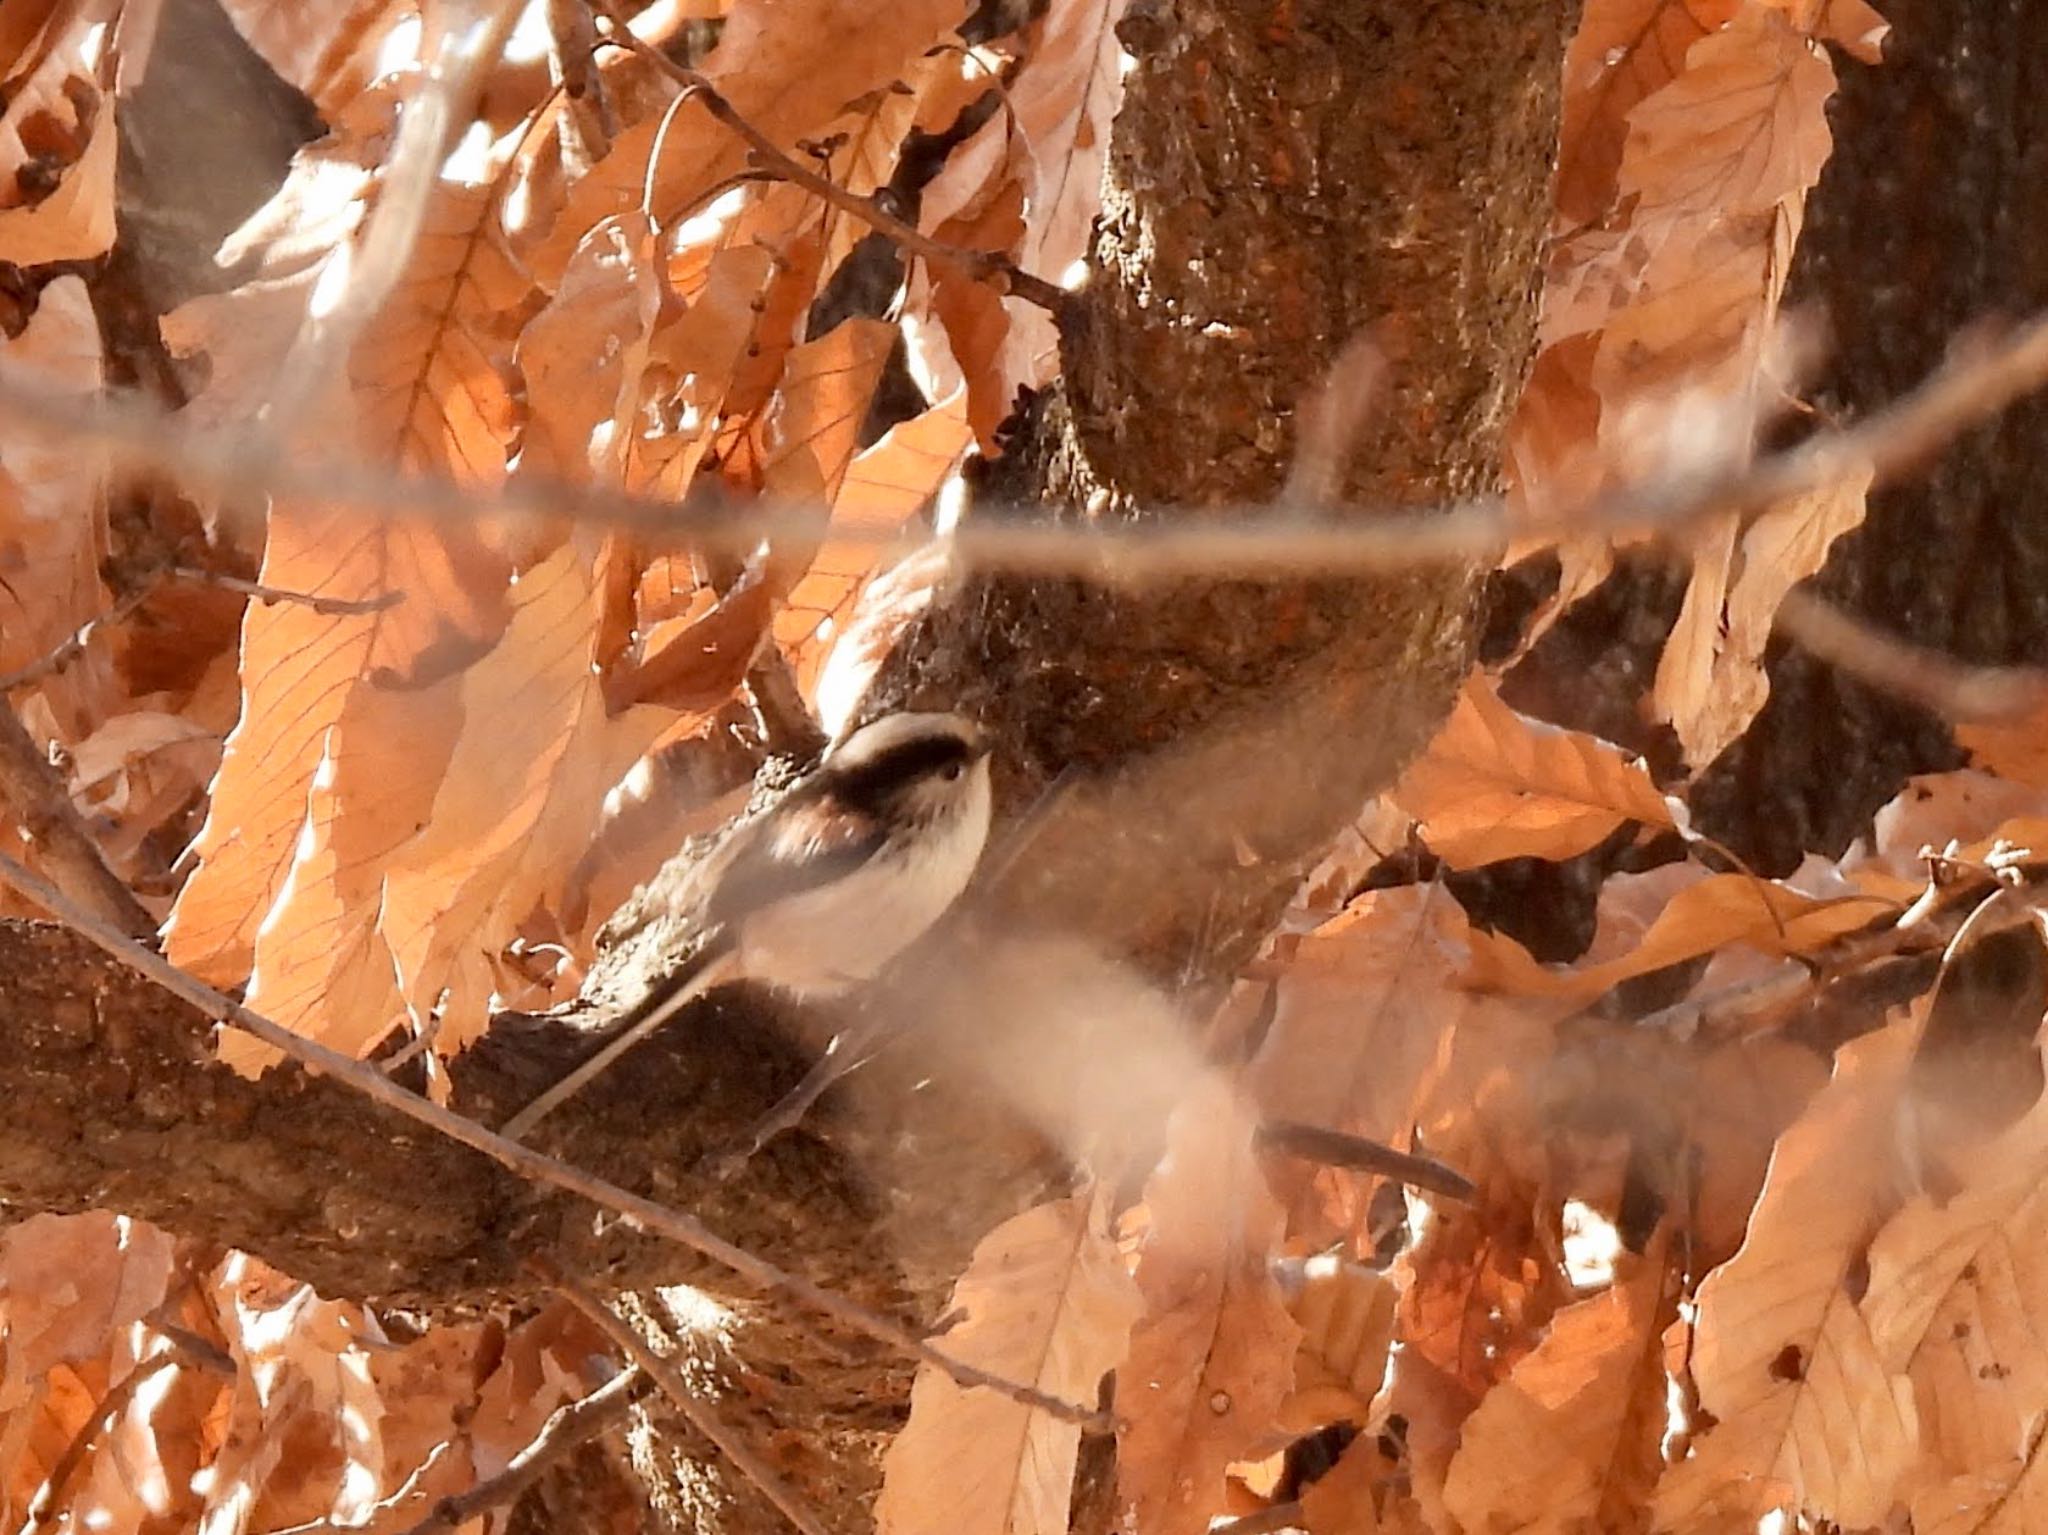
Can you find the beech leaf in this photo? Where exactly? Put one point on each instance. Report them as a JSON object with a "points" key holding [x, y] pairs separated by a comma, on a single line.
{"points": [[1047, 1303]]}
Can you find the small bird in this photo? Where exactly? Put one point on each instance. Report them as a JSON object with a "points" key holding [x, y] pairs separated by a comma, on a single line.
{"points": [[818, 893]]}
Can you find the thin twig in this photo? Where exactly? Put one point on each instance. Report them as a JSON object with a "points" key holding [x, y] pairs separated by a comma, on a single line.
{"points": [[1248, 542], [1953, 689], [473, 35], [32, 789], [568, 1426], [639, 1213], [104, 1412], [986, 266], [71, 648], [327, 607], [699, 1413], [1929, 926]]}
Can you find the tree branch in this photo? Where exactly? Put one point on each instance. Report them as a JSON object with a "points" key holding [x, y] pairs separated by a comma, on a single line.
{"points": [[568, 1426], [639, 1211]]}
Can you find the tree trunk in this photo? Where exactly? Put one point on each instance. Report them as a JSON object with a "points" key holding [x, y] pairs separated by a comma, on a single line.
{"points": [[1282, 178]]}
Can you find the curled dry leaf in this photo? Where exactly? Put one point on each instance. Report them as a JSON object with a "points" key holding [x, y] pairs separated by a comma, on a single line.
{"points": [[1569, 1441], [58, 143], [1496, 784], [1048, 1303], [1724, 909], [1346, 1314], [580, 407], [1213, 1357], [1808, 1413]]}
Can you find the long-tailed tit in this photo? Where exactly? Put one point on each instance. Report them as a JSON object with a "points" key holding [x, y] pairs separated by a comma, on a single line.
{"points": [[817, 894]]}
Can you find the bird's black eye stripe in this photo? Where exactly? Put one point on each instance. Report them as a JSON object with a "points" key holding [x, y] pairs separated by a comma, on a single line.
{"points": [[879, 776]]}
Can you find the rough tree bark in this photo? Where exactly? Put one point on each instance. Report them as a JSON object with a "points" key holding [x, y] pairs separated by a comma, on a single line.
{"points": [[1281, 178], [1283, 175]]}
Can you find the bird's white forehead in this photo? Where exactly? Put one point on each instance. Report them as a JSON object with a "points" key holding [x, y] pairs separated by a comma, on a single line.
{"points": [[884, 735]]}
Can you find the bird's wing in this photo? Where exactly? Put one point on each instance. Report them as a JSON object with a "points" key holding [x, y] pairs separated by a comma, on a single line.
{"points": [[799, 849]]}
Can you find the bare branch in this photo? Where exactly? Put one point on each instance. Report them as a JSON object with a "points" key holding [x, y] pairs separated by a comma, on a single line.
{"points": [[985, 266], [73, 646], [698, 1412], [643, 1214], [1952, 689], [568, 1426], [32, 788], [1254, 542], [43, 1511], [327, 607]]}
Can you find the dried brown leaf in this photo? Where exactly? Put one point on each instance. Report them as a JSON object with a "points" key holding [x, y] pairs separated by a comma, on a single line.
{"points": [[1624, 51], [1346, 1314], [1213, 1358], [430, 371], [1361, 1015], [75, 221], [1741, 129], [885, 487], [1496, 784], [1768, 915], [327, 48], [429, 394], [1048, 1303], [68, 1285], [812, 431], [1958, 1303], [1808, 1413], [519, 802], [325, 689], [1572, 1434], [582, 391], [789, 67], [53, 516], [2017, 750]]}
